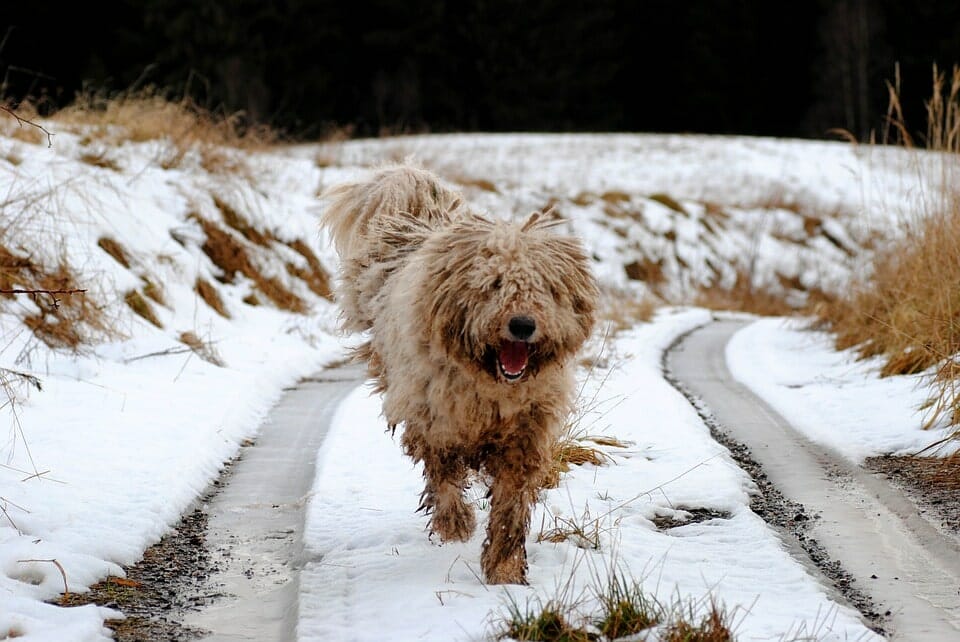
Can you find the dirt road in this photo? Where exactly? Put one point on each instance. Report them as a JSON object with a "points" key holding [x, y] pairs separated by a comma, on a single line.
{"points": [[866, 539], [255, 525]]}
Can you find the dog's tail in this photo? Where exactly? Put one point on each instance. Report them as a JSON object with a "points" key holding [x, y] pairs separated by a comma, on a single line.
{"points": [[362, 215], [374, 224]]}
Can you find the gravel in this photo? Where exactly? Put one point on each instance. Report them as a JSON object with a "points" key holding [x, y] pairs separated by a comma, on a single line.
{"points": [[170, 579]]}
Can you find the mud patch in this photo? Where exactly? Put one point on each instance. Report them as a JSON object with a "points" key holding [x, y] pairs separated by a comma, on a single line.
{"points": [[685, 516], [933, 483], [170, 580]]}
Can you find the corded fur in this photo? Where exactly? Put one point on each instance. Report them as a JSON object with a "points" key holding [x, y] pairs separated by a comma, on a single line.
{"points": [[436, 287]]}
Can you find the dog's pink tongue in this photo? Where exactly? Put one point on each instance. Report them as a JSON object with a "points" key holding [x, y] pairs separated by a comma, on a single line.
{"points": [[513, 356]]}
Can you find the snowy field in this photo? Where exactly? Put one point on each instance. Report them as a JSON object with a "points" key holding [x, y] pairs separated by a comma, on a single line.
{"points": [[106, 445]]}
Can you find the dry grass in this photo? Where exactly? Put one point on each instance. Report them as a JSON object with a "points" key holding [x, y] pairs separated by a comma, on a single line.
{"points": [[115, 250], [646, 270], [908, 310], [19, 128], [211, 297], [712, 627], [149, 114], [62, 320], [477, 183], [237, 221], [624, 611], [625, 608], [203, 349], [100, 159], [582, 531], [315, 277], [142, 307], [623, 310], [668, 201], [548, 622], [744, 297], [230, 253], [153, 291]]}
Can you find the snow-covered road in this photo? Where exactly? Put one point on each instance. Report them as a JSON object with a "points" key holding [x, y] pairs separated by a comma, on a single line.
{"points": [[903, 562]]}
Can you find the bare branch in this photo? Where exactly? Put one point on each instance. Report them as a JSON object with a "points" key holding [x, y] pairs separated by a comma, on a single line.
{"points": [[29, 378], [21, 121], [63, 573], [24, 291], [159, 353], [3, 510], [55, 302]]}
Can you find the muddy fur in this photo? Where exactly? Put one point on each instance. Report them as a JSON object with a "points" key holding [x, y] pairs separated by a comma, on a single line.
{"points": [[473, 325]]}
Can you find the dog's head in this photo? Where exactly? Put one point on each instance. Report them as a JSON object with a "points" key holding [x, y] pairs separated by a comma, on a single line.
{"points": [[507, 299]]}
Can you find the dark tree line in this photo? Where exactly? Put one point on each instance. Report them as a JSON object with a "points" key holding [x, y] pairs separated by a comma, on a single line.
{"points": [[726, 66]]}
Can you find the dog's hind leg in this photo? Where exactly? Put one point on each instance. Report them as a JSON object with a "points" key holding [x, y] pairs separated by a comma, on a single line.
{"points": [[451, 517]]}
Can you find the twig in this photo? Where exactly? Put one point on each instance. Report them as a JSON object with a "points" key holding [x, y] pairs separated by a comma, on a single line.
{"points": [[31, 379], [26, 291], [63, 573], [30, 475], [51, 293], [159, 353], [440, 594], [21, 121], [36, 475], [3, 510]]}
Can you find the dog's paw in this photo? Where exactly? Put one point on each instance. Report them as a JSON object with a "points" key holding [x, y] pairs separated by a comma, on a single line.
{"points": [[510, 571], [453, 523]]}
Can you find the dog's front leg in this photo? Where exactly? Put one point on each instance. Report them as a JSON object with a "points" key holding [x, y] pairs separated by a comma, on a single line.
{"points": [[513, 491], [451, 517]]}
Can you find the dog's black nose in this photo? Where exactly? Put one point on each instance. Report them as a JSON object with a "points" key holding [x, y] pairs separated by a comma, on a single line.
{"points": [[522, 328]]}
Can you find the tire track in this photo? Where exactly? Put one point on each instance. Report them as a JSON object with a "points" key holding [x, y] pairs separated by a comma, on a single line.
{"points": [[864, 537]]}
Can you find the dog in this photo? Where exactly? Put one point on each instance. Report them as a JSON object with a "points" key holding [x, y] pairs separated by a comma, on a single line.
{"points": [[473, 327]]}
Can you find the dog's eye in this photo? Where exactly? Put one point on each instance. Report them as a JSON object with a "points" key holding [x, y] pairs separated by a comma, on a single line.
{"points": [[497, 284]]}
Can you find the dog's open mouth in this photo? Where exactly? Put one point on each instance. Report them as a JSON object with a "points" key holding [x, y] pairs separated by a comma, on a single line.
{"points": [[512, 359]]}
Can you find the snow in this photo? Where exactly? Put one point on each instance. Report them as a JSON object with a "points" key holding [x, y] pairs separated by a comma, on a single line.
{"points": [[833, 398], [128, 431]]}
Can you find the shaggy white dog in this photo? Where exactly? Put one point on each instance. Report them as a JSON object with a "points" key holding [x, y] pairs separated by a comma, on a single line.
{"points": [[473, 327]]}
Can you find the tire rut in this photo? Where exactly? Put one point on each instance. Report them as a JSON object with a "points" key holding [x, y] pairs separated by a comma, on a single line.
{"points": [[809, 529]]}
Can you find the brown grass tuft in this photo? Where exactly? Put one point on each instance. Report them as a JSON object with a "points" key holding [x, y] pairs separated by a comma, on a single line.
{"points": [[572, 451], [228, 252], [238, 222], [625, 608], [148, 114], [713, 627], [63, 320], [211, 297], [316, 278], [19, 127], [543, 622], [141, 306], [201, 348], [625, 311], [646, 270], [100, 159], [744, 297], [153, 291], [115, 250], [668, 201], [479, 183]]}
